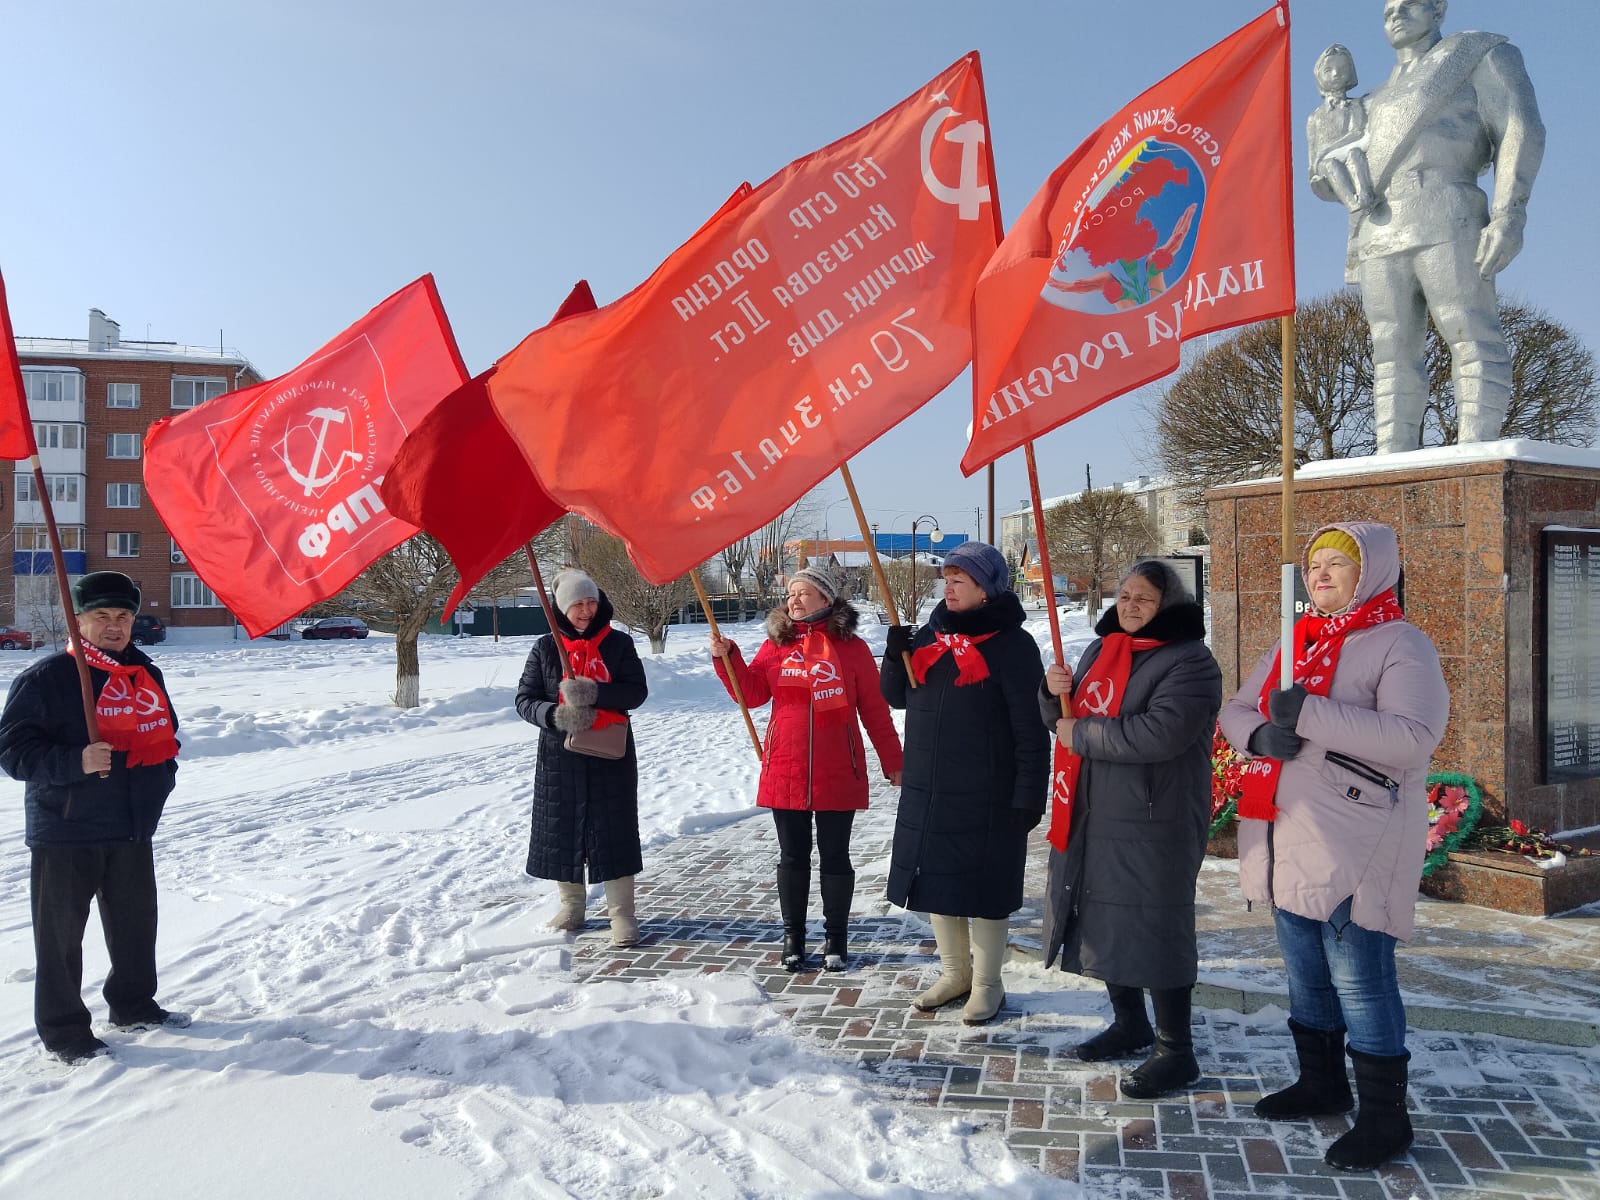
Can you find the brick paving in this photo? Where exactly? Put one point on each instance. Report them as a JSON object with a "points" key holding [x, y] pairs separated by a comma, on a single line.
{"points": [[1494, 1116]]}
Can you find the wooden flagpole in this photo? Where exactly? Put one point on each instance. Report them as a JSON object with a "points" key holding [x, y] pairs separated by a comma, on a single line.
{"points": [[74, 639], [733, 676], [1045, 569], [544, 599], [877, 564], [1290, 565]]}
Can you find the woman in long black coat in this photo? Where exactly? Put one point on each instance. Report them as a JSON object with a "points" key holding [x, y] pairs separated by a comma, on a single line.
{"points": [[976, 767], [1120, 897], [585, 809]]}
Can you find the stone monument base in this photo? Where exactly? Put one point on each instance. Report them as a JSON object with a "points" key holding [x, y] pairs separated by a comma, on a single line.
{"points": [[1512, 883]]}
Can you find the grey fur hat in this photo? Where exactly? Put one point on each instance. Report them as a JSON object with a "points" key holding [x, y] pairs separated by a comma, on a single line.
{"points": [[573, 585]]}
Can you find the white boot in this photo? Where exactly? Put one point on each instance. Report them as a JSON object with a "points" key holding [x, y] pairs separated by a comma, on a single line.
{"points": [[569, 916], [619, 905], [988, 952], [955, 956]]}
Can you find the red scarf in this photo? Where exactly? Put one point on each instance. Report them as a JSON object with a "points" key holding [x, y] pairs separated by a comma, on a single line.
{"points": [[1320, 640], [970, 664], [813, 664], [1099, 695], [583, 654], [131, 711]]}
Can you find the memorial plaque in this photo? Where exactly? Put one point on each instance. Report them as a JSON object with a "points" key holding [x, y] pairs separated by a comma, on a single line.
{"points": [[1571, 640]]}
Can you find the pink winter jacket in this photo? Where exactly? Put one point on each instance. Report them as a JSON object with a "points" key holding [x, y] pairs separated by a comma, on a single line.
{"points": [[1338, 833]]}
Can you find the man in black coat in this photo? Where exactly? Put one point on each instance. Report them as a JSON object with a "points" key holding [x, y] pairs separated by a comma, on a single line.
{"points": [[92, 809]]}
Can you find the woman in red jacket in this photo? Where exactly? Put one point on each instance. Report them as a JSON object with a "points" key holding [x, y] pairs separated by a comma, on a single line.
{"points": [[820, 677]]}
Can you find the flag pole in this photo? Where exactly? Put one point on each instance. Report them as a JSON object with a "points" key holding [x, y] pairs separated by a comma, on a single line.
{"points": [[877, 564], [1045, 569], [733, 676], [74, 639], [1286, 647], [544, 600]]}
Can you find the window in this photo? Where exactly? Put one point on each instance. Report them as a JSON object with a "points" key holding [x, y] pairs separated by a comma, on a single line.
{"points": [[36, 537], [122, 545], [122, 445], [122, 495], [178, 556], [52, 387], [189, 592], [122, 395], [63, 489], [51, 436], [190, 390]]}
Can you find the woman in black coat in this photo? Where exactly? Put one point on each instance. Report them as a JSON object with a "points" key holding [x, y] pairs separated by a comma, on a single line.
{"points": [[585, 809], [976, 766], [1122, 875]]}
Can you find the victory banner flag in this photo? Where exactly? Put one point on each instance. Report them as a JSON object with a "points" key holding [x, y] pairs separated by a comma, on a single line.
{"points": [[16, 426], [784, 336], [1171, 220], [272, 491], [436, 479]]}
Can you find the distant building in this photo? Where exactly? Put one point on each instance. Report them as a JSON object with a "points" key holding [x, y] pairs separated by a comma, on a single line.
{"points": [[1173, 519], [92, 402]]}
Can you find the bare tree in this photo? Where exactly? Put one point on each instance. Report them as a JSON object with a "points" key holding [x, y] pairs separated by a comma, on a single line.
{"points": [[770, 555], [406, 587], [898, 572], [1095, 535], [639, 604], [1218, 421], [736, 560]]}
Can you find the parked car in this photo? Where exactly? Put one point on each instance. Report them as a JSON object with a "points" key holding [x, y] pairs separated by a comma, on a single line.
{"points": [[336, 627], [149, 629], [15, 639]]}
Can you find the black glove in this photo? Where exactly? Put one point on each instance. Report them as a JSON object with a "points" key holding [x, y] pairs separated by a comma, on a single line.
{"points": [[898, 641], [1026, 820], [1274, 741], [1284, 705]]}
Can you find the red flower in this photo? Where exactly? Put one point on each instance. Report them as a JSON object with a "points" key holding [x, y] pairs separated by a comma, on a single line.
{"points": [[1115, 231], [1518, 828]]}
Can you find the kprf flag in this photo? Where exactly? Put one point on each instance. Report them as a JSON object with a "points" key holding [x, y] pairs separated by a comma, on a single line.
{"points": [[1172, 219], [272, 491], [778, 341], [461, 477], [16, 427]]}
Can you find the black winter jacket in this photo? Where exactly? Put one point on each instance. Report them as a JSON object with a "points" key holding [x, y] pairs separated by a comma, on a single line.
{"points": [[1120, 902], [585, 809], [42, 736], [976, 769]]}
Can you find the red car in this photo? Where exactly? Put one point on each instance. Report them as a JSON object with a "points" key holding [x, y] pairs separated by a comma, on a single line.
{"points": [[15, 639]]}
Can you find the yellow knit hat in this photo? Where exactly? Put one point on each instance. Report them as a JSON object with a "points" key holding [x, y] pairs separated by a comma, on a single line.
{"points": [[1335, 539]]}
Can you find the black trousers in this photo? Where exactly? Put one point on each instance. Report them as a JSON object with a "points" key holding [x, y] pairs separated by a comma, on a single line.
{"points": [[833, 839], [121, 878]]}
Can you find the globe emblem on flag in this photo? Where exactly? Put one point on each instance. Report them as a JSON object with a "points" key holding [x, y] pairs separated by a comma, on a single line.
{"points": [[1135, 234]]}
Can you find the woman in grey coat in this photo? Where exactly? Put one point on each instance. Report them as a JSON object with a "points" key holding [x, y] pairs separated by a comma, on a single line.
{"points": [[1334, 824], [1122, 872]]}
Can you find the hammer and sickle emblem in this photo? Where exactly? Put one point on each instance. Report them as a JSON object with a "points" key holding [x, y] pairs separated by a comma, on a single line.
{"points": [[824, 672], [149, 702], [116, 689], [1100, 694], [969, 194], [323, 468]]}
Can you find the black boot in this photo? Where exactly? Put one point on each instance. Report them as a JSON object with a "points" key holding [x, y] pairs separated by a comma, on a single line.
{"points": [[794, 889], [1171, 1066], [1383, 1127], [1322, 1089], [1129, 1033], [837, 893]]}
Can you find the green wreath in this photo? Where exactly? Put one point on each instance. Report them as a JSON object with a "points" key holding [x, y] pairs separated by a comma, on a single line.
{"points": [[1455, 802]]}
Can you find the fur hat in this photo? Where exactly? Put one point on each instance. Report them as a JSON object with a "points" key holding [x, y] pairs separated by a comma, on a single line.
{"points": [[105, 589], [820, 576], [573, 585], [986, 565]]}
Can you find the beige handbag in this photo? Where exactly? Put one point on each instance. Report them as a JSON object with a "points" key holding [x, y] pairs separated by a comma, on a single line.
{"points": [[609, 742]]}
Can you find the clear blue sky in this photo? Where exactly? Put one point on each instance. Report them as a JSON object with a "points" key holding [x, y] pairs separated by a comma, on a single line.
{"points": [[273, 169]]}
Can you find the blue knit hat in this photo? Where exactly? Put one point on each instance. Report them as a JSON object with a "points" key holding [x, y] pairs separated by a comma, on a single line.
{"points": [[986, 565]]}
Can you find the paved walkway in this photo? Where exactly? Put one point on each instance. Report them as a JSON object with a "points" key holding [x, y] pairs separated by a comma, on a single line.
{"points": [[1496, 1114]]}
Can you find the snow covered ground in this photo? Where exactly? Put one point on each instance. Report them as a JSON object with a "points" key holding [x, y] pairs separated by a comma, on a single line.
{"points": [[379, 1010]]}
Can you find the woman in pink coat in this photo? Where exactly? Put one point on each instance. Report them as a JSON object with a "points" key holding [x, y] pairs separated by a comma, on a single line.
{"points": [[820, 677], [1333, 828]]}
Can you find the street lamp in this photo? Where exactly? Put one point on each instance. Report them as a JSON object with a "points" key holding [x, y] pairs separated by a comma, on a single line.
{"points": [[937, 535]]}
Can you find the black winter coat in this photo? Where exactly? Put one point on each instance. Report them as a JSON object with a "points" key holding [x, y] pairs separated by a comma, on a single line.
{"points": [[976, 769], [42, 736], [585, 809], [1120, 901]]}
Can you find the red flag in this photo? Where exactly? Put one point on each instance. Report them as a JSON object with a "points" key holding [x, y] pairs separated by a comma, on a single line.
{"points": [[437, 479], [272, 491], [774, 344], [16, 426], [1173, 219]]}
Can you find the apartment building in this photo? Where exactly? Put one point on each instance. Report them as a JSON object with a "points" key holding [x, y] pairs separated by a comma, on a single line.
{"points": [[92, 400]]}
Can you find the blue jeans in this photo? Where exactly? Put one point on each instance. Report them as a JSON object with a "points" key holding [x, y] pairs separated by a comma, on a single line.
{"points": [[1341, 976]]}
